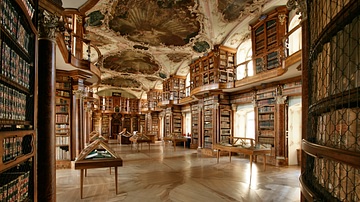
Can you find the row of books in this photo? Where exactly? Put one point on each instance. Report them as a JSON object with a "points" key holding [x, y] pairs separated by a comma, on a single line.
{"points": [[60, 100], [62, 109], [61, 126], [12, 148], [11, 22], [266, 124], [29, 8], [14, 67], [63, 85], [16, 189], [12, 104], [62, 93], [62, 118], [62, 153], [62, 140], [266, 109]]}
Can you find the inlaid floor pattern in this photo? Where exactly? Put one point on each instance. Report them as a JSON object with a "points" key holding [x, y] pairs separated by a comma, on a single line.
{"points": [[162, 174]]}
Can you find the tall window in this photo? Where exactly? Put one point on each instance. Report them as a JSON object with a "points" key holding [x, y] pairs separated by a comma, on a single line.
{"points": [[295, 37], [244, 55], [244, 121], [187, 85]]}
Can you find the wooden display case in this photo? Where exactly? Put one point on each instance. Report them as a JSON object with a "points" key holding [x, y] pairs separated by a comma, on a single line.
{"points": [[267, 34], [63, 120], [97, 154], [18, 98]]}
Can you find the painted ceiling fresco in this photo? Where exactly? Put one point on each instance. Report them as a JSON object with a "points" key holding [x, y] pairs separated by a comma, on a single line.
{"points": [[143, 42], [121, 82], [155, 22], [131, 62]]}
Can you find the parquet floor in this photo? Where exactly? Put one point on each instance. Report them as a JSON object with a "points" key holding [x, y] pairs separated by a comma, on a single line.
{"points": [[162, 174]]}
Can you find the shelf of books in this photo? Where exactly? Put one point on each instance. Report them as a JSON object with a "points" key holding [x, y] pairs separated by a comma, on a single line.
{"points": [[267, 34], [216, 68], [266, 116], [62, 121], [174, 89], [209, 121], [292, 89], [105, 125], [225, 123], [18, 75], [154, 96], [195, 125], [155, 125]]}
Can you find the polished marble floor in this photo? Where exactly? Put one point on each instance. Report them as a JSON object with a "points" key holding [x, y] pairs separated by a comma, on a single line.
{"points": [[165, 174]]}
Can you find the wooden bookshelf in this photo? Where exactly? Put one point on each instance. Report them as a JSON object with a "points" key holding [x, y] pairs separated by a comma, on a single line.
{"points": [[225, 123], [173, 122], [213, 71], [154, 96], [18, 98], [267, 34], [63, 120], [331, 112], [173, 89], [209, 122], [265, 111], [195, 125], [153, 124]]}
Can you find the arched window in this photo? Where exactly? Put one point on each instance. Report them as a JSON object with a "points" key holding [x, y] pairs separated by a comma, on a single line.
{"points": [[295, 37], [244, 58]]}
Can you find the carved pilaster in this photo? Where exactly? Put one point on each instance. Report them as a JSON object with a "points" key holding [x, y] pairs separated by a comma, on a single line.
{"points": [[48, 24], [234, 107], [299, 6], [280, 99]]}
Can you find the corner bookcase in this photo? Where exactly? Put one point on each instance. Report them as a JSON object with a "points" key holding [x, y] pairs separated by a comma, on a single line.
{"points": [[63, 120], [18, 98]]}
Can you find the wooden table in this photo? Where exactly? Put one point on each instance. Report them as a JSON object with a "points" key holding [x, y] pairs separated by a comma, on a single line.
{"points": [[97, 163], [252, 151], [176, 140]]}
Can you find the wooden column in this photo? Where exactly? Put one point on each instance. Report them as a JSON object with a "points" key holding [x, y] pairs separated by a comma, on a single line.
{"points": [[46, 172], [280, 131]]}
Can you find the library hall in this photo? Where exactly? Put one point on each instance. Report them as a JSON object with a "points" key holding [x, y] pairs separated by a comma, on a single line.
{"points": [[180, 100]]}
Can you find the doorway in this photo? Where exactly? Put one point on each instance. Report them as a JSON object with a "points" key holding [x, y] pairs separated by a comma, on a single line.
{"points": [[294, 131]]}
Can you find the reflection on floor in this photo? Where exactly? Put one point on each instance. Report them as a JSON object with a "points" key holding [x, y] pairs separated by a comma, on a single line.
{"points": [[162, 174]]}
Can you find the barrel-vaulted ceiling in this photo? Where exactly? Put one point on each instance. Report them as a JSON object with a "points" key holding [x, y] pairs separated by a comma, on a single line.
{"points": [[143, 42]]}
